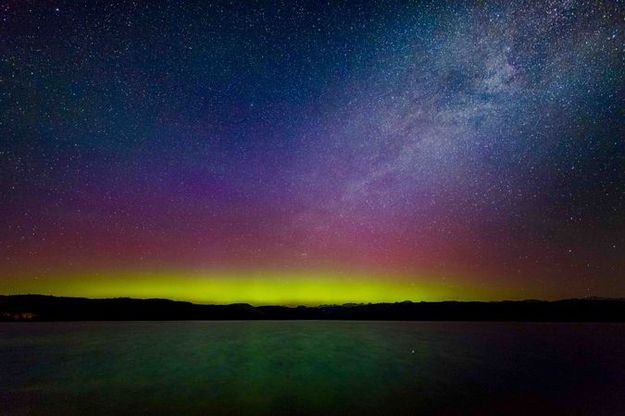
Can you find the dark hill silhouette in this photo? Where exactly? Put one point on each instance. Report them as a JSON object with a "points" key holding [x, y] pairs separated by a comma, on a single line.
{"points": [[51, 308]]}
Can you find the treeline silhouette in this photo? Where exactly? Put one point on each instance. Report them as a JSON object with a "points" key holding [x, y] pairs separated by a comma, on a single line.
{"points": [[51, 308]]}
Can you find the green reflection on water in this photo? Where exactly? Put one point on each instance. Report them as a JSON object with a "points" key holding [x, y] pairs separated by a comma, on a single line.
{"points": [[305, 367]]}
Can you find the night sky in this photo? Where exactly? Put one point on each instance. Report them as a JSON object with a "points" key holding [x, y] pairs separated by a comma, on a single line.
{"points": [[308, 152]]}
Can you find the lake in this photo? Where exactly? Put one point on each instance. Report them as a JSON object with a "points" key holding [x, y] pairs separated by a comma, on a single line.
{"points": [[311, 368]]}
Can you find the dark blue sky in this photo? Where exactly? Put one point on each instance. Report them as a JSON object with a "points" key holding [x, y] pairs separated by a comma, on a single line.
{"points": [[470, 144]]}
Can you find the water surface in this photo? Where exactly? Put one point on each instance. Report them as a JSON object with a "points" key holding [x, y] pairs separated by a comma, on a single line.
{"points": [[310, 368]]}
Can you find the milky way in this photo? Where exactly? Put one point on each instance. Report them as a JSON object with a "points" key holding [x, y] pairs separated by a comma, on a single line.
{"points": [[299, 151]]}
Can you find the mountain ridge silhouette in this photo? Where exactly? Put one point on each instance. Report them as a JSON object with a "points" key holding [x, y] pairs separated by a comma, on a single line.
{"points": [[33, 307]]}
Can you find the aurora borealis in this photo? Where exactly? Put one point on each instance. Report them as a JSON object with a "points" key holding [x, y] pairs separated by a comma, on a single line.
{"points": [[295, 152]]}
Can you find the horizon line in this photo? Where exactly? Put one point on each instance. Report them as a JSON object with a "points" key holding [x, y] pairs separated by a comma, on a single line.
{"points": [[319, 305]]}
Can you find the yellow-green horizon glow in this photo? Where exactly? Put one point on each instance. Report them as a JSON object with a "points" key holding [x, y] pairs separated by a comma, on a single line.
{"points": [[256, 288]]}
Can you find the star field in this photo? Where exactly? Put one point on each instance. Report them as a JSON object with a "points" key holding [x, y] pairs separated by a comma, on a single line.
{"points": [[339, 151]]}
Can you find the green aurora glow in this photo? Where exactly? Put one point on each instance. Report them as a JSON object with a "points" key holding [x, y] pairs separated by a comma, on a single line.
{"points": [[256, 288]]}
